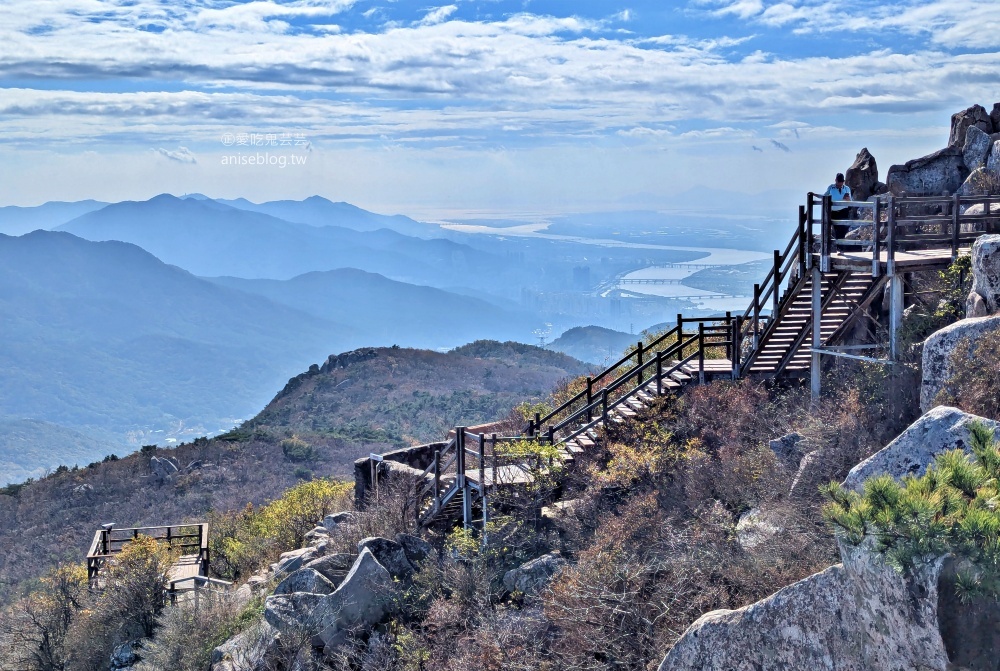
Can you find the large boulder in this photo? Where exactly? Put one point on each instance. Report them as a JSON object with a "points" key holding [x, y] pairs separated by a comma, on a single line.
{"points": [[855, 616], [934, 174], [416, 549], [532, 577], [976, 148], [937, 366], [961, 121], [788, 450], [293, 560], [333, 567], [995, 117], [125, 656], [755, 527], [978, 183], [993, 160], [305, 580], [943, 428], [389, 554], [367, 595], [862, 176], [247, 651], [331, 522], [986, 270]]}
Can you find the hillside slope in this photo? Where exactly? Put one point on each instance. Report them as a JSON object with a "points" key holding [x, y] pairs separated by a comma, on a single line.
{"points": [[393, 397]]}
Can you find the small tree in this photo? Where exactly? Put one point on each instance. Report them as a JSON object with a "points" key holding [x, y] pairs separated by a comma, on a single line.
{"points": [[135, 585]]}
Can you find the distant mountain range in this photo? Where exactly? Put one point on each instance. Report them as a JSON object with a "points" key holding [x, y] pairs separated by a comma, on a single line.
{"points": [[16, 220], [390, 311], [593, 344]]}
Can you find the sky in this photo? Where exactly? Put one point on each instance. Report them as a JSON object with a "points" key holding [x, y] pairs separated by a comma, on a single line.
{"points": [[478, 107]]}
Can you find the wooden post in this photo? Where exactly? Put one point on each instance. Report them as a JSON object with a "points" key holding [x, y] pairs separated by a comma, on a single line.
{"points": [[826, 231], [729, 335], [590, 398], [890, 239], [462, 481], [756, 316], [817, 319], [482, 477], [876, 237], [776, 284], [680, 333], [437, 479], [737, 346], [639, 365], [701, 352], [659, 373], [802, 249], [956, 224], [604, 406], [896, 295], [810, 233]]}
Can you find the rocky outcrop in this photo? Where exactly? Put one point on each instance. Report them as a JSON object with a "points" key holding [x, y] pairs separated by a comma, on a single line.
{"points": [[416, 549], [934, 174], [976, 116], [389, 554], [993, 160], [367, 596], [937, 366], [756, 526], [986, 271], [862, 176], [976, 148], [943, 428], [532, 577], [293, 560], [859, 615], [125, 656], [331, 522], [162, 468], [247, 651], [305, 580], [788, 450], [333, 567]]}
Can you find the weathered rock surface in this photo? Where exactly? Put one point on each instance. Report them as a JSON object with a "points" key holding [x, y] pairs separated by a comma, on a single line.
{"points": [[976, 184], [975, 306], [993, 160], [976, 148], [934, 174], [416, 549], [367, 595], [333, 567], [755, 527], [986, 270], [162, 468], [532, 577], [125, 656], [788, 450], [862, 176], [331, 522], [851, 617], [305, 580], [943, 428], [961, 121], [293, 560], [389, 554], [247, 651], [936, 367], [317, 532], [995, 117]]}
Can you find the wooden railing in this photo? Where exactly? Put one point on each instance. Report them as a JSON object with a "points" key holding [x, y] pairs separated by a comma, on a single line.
{"points": [[189, 539], [902, 224]]}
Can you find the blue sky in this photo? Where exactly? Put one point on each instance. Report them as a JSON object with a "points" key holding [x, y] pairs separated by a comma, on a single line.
{"points": [[488, 106]]}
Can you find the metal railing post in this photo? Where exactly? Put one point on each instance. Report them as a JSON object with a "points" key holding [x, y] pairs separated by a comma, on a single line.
{"points": [[604, 406], [826, 233], [810, 233], [890, 242], [877, 237], [802, 241]]}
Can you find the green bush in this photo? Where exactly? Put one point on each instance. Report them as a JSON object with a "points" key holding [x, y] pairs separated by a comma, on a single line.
{"points": [[244, 541], [951, 509], [296, 449]]}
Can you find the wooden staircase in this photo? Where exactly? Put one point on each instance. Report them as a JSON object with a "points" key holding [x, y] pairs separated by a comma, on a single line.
{"points": [[773, 338]]}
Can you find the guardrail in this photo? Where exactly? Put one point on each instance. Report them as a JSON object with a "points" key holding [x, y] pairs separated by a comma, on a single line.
{"points": [[190, 539]]}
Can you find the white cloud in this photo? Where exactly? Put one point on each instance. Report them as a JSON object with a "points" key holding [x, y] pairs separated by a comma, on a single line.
{"points": [[438, 15], [181, 154]]}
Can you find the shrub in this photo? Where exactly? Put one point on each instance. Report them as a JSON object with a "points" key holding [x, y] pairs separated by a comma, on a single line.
{"points": [[243, 541], [951, 509], [296, 449]]}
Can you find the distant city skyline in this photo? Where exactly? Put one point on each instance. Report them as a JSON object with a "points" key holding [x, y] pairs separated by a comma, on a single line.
{"points": [[481, 106]]}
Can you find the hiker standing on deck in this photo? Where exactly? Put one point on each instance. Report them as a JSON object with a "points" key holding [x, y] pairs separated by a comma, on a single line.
{"points": [[838, 191]]}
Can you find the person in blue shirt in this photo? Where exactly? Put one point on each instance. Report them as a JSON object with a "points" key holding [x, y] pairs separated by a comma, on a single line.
{"points": [[839, 191]]}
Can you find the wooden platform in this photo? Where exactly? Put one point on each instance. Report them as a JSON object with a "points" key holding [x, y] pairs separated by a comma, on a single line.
{"points": [[502, 475], [917, 259], [186, 566]]}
